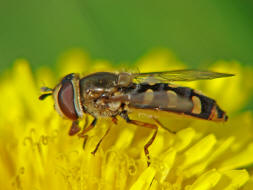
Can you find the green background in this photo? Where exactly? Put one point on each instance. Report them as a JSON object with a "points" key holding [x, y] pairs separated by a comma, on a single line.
{"points": [[198, 32]]}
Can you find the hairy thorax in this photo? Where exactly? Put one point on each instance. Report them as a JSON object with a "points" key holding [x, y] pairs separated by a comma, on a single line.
{"points": [[97, 104]]}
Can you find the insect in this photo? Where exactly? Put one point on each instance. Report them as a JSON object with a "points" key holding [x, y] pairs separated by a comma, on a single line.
{"points": [[106, 94]]}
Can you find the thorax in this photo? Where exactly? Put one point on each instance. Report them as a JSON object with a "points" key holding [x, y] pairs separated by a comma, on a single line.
{"points": [[95, 89]]}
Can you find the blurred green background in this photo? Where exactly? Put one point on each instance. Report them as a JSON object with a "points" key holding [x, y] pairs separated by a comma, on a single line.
{"points": [[198, 32]]}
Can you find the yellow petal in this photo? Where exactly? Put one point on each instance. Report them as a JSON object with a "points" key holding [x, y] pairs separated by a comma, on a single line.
{"points": [[159, 60], [144, 180], [200, 167], [241, 159], [198, 151], [167, 159], [232, 179], [183, 138], [206, 181]]}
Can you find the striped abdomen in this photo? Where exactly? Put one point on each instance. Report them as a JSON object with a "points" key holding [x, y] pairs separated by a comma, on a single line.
{"points": [[166, 97]]}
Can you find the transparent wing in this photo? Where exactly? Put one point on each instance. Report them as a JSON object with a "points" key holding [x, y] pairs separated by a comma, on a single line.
{"points": [[179, 75]]}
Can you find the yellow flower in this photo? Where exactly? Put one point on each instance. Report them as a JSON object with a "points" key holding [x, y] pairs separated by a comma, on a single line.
{"points": [[37, 153]]}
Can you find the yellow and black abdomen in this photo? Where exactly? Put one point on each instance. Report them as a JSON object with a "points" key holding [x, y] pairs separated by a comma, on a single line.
{"points": [[182, 100]]}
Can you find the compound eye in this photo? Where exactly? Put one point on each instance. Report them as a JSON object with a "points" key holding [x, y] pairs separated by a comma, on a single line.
{"points": [[66, 100]]}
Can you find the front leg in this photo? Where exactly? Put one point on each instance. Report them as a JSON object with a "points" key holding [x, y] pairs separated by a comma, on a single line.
{"points": [[74, 129], [91, 126], [143, 124], [85, 130]]}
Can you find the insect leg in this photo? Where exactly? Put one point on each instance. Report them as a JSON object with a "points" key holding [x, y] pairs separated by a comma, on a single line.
{"points": [[143, 124], [161, 125], [85, 138], [95, 150], [115, 120], [85, 130], [74, 129]]}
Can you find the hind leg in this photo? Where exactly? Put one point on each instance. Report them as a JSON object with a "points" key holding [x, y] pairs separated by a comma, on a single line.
{"points": [[143, 124]]}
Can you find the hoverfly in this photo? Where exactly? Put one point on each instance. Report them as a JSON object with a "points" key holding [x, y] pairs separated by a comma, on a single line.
{"points": [[106, 94]]}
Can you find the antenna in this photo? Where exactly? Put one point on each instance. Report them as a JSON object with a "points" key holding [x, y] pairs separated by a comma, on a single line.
{"points": [[45, 89]]}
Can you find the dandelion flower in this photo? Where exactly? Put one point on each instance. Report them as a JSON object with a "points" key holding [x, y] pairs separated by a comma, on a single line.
{"points": [[37, 153]]}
